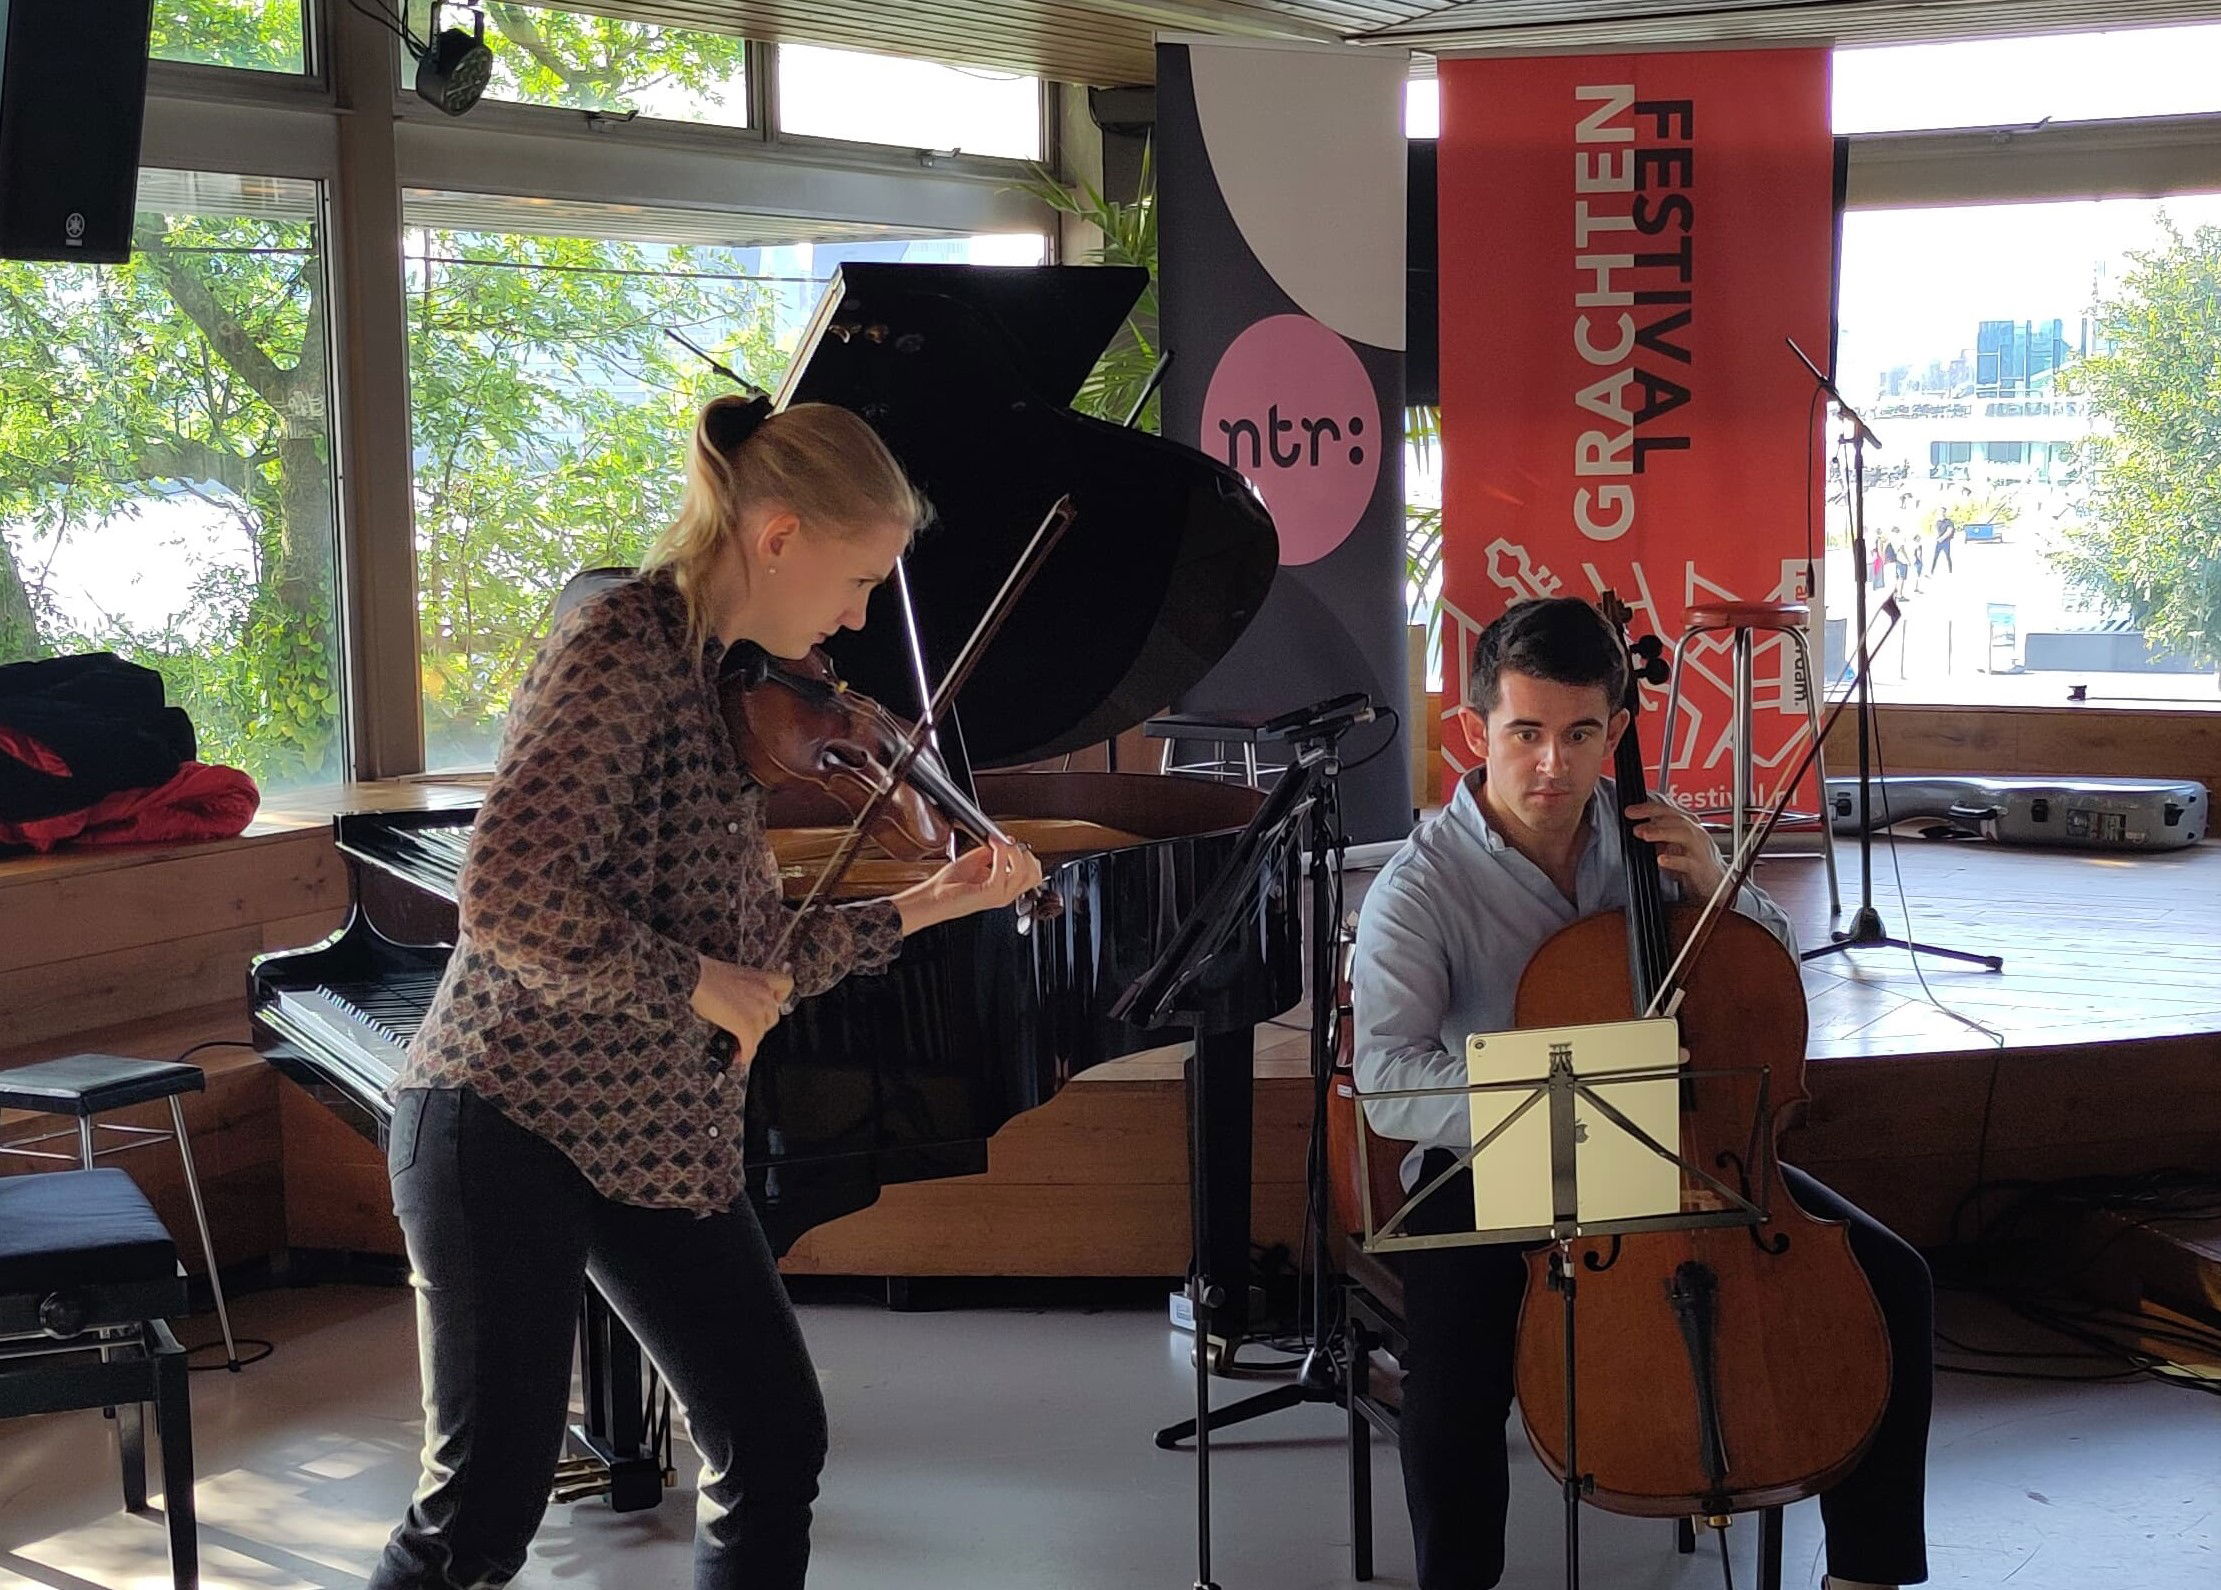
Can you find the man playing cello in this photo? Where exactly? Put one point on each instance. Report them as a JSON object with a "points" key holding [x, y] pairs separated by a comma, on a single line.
{"points": [[1531, 842]]}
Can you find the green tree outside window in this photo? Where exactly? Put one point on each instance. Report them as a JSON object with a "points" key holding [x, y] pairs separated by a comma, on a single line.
{"points": [[2150, 542], [254, 35]]}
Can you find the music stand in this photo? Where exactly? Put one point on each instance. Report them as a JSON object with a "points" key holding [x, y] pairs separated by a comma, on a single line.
{"points": [[1568, 1083], [1301, 807]]}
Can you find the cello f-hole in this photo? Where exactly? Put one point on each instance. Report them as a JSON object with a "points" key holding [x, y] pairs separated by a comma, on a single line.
{"points": [[1777, 1244], [1611, 1257]]}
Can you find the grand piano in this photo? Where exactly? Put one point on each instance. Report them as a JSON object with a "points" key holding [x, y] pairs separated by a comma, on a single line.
{"points": [[967, 373]]}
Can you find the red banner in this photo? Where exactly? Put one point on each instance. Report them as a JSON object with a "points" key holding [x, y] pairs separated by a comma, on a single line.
{"points": [[1626, 243]]}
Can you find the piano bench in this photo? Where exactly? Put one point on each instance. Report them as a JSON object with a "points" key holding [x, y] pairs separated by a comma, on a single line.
{"points": [[87, 1268], [88, 1085]]}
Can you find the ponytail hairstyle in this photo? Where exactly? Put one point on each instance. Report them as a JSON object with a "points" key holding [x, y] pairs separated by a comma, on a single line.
{"points": [[818, 460]]}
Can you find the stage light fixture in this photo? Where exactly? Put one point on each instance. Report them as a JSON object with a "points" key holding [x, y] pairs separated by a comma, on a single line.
{"points": [[454, 67]]}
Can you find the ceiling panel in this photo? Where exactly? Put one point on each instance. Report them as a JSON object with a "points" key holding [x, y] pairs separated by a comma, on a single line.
{"points": [[1478, 26], [631, 223], [1112, 41], [1097, 42]]}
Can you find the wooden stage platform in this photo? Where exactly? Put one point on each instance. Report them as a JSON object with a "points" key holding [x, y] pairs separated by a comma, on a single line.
{"points": [[2104, 1049], [2098, 948]]}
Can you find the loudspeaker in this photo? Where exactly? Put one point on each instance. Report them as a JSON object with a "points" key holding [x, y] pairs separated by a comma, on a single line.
{"points": [[73, 89]]}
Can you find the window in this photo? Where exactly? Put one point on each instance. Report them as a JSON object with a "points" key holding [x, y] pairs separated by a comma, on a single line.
{"points": [[1423, 108], [885, 99], [551, 412], [2051, 363], [2016, 356], [165, 467], [1949, 460], [568, 58], [258, 35], [2162, 71]]}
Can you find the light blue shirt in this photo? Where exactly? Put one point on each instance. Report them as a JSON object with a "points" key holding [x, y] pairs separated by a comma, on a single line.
{"points": [[1445, 932]]}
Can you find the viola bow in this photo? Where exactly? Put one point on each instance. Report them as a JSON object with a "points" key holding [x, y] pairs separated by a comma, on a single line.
{"points": [[1045, 537]]}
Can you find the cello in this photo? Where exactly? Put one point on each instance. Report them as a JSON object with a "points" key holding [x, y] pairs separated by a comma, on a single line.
{"points": [[1747, 1364]]}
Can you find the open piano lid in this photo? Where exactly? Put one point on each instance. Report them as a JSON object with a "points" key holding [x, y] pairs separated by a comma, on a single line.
{"points": [[965, 371]]}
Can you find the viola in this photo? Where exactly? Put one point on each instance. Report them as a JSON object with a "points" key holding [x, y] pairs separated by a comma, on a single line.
{"points": [[1729, 1367], [796, 724]]}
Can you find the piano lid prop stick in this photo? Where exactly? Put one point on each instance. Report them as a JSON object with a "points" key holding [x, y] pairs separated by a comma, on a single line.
{"points": [[723, 369], [1149, 388]]}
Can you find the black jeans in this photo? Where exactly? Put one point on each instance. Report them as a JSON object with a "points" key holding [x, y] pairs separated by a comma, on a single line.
{"points": [[1461, 1314], [503, 1231]]}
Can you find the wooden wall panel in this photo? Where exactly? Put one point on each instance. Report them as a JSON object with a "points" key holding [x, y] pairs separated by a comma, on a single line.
{"points": [[2063, 741], [59, 915], [1095, 1182], [337, 1194], [102, 938], [1903, 1136], [143, 951], [123, 985]]}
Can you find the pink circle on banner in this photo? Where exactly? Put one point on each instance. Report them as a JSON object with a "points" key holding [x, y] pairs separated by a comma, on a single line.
{"points": [[1291, 407]]}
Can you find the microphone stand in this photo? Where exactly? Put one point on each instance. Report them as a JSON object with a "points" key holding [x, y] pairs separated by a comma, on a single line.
{"points": [[1865, 931]]}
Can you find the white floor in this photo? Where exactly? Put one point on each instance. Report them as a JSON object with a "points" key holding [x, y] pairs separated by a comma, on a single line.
{"points": [[993, 1450]]}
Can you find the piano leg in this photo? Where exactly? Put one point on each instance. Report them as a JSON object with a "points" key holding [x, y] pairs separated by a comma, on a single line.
{"points": [[627, 1433], [1221, 1086]]}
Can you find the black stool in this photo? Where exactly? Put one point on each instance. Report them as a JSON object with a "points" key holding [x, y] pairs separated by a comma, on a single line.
{"points": [[85, 1266], [1220, 729], [86, 1085]]}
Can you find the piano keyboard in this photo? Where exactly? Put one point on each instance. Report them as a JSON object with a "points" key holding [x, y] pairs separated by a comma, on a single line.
{"points": [[424, 849], [360, 1030], [393, 1007]]}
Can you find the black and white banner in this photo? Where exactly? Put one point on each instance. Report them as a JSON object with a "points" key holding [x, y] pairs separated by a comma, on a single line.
{"points": [[1280, 192]]}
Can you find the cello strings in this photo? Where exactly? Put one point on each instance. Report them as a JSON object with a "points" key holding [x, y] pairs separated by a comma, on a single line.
{"points": [[1645, 900]]}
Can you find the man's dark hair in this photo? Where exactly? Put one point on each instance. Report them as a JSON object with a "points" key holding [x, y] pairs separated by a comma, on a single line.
{"points": [[1559, 638]]}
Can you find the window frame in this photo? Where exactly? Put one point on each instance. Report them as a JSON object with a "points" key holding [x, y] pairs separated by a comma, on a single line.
{"points": [[2149, 157], [268, 133], [298, 125], [2123, 158], [1046, 107], [314, 62], [304, 126]]}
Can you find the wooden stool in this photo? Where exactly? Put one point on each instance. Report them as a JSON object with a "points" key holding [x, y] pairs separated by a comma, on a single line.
{"points": [[85, 1266], [1746, 621], [87, 1085]]}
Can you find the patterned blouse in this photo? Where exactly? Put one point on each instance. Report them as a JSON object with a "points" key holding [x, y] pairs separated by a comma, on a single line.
{"points": [[618, 837]]}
